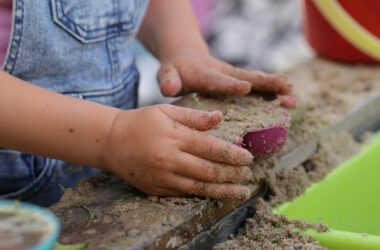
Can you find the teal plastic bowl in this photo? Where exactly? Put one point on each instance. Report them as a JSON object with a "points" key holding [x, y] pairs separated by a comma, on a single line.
{"points": [[41, 218]]}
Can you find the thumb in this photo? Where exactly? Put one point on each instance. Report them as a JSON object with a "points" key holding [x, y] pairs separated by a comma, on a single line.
{"points": [[169, 80], [192, 118]]}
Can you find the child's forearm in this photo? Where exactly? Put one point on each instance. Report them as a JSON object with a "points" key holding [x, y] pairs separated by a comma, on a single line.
{"points": [[169, 26], [39, 121]]}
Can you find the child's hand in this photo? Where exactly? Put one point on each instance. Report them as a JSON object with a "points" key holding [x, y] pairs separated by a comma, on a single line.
{"points": [[192, 71], [161, 151]]}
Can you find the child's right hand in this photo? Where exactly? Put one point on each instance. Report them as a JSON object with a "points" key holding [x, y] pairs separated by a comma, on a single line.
{"points": [[162, 151]]}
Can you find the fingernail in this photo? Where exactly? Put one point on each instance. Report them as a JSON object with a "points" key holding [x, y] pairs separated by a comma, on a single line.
{"points": [[243, 88], [247, 85], [218, 114], [245, 157], [170, 88], [248, 157], [243, 193], [288, 102], [214, 117]]}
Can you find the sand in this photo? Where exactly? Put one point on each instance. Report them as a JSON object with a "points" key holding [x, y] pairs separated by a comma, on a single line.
{"points": [[240, 115], [266, 230]]}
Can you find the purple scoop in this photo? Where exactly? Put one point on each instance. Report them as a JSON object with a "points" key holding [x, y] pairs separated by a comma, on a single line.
{"points": [[264, 142]]}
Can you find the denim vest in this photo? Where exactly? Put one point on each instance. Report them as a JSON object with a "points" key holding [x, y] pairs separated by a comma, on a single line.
{"points": [[80, 48]]}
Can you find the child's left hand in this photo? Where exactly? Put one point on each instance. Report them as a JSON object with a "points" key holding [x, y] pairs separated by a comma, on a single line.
{"points": [[192, 71]]}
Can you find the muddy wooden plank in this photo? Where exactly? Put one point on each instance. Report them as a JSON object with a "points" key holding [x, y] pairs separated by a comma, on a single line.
{"points": [[109, 214]]}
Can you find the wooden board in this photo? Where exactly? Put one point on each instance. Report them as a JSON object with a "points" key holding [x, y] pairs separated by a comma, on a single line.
{"points": [[332, 97]]}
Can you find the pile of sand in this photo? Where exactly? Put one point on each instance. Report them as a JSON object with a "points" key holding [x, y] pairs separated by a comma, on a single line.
{"points": [[266, 230]]}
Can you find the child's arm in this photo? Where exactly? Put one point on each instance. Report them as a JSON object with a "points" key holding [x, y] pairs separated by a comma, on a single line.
{"points": [[39, 121], [152, 148], [170, 32]]}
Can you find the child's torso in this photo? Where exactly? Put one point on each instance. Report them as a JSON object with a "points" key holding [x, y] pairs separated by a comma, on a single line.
{"points": [[82, 48]]}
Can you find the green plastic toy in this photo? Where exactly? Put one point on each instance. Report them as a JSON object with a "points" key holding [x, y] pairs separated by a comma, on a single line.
{"points": [[347, 201]]}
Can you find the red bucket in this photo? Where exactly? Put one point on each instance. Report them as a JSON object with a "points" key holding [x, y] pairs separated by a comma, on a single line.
{"points": [[330, 42]]}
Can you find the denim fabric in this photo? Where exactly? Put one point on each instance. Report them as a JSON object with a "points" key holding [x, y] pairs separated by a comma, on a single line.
{"points": [[78, 48]]}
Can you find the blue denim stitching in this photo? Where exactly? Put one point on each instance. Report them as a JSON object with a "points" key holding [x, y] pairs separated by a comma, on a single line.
{"points": [[136, 90], [112, 53], [16, 36], [117, 7], [131, 77], [32, 166], [121, 24], [94, 35], [42, 180], [28, 159], [36, 185]]}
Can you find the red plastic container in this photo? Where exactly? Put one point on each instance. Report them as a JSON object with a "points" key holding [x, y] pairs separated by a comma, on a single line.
{"points": [[328, 43]]}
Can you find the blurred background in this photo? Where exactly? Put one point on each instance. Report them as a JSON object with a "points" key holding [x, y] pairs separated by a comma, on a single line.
{"points": [[253, 34]]}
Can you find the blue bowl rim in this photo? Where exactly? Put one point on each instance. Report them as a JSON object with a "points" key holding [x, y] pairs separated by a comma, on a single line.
{"points": [[44, 213]]}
